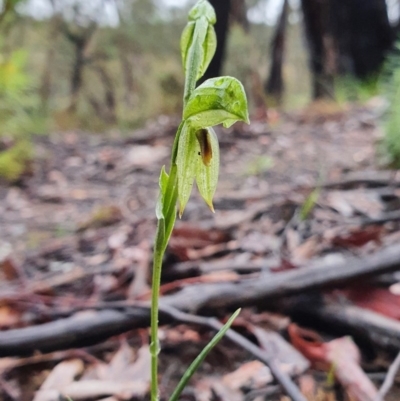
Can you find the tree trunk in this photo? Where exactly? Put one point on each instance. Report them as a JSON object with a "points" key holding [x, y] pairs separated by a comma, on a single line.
{"points": [[222, 9], [364, 35], [345, 37], [80, 43], [322, 45], [76, 77], [110, 114], [45, 86], [238, 14], [274, 85], [127, 76]]}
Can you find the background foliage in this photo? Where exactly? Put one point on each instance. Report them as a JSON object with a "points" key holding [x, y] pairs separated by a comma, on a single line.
{"points": [[79, 71], [105, 64]]}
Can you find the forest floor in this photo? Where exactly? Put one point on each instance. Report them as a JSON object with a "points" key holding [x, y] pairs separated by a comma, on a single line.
{"points": [[301, 204]]}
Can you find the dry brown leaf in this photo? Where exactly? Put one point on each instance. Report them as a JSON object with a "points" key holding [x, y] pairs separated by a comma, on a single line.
{"points": [[290, 360], [120, 362], [345, 357], [88, 389], [179, 335], [342, 355], [7, 265], [213, 389], [293, 240], [187, 238], [8, 316], [347, 203], [124, 367], [307, 386], [140, 369], [358, 236], [252, 375], [380, 300], [61, 376], [306, 250]]}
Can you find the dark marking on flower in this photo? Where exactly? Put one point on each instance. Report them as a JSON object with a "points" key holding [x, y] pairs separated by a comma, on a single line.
{"points": [[203, 136]]}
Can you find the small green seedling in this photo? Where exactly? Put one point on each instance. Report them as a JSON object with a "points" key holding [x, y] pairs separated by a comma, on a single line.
{"points": [[195, 157]]}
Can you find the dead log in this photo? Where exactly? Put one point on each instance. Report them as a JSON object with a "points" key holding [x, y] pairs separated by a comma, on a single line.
{"points": [[269, 286], [368, 328], [83, 329], [79, 330], [371, 179]]}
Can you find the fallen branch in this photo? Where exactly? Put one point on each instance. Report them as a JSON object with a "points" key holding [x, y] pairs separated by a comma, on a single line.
{"points": [[368, 328], [268, 286], [99, 324], [366, 178], [87, 328]]}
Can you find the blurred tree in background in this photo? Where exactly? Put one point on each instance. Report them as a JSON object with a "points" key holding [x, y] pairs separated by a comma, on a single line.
{"points": [[346, 37], [106, 63]]}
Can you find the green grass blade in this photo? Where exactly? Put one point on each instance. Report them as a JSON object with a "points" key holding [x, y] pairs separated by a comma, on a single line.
{"points": [[196, 363]]}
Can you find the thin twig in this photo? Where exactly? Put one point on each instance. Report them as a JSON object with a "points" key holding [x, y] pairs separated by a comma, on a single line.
{"points": [[389, 379]]}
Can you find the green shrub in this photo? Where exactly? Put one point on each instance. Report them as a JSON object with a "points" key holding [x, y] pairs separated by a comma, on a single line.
{"points": [[20, 115], [350, 89], [14, 162], [19, 102], [390, 146]]}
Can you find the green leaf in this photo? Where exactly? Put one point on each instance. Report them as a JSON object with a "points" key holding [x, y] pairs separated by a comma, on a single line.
{"points": [[198, 361], [203, 9], [186, 41], [309, 204], [163, 180], [198, 38], [209, 47], [186, 161], [208, 166], [217, 101], [163, 183]]}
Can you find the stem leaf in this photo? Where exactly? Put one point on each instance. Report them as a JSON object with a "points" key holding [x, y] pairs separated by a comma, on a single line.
{"points": [[163, 184], [209, 48], [203, 9], [197, 362], [186, 41], [198, 37], [217, 101]]}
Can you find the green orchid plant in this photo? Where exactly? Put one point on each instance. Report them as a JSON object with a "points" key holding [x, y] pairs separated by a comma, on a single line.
{"points": [[195, 157]]}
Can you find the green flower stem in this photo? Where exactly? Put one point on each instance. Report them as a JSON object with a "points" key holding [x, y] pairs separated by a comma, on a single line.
{"points": [[169, 207], [154, 344], [164, 230], [218, 101]]}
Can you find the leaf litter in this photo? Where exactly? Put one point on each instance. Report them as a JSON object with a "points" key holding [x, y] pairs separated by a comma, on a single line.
{"points": [[77, 235]]}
